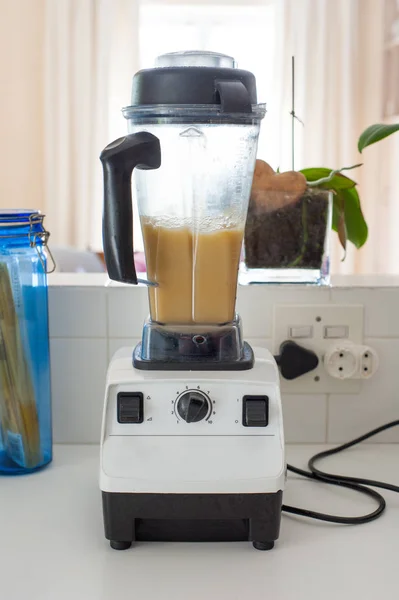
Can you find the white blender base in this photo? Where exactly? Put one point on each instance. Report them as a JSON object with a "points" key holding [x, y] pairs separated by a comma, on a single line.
{"points": [[215, 479]]}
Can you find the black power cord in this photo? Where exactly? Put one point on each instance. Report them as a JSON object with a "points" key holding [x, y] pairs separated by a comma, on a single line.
{"points": [[358, 484]]}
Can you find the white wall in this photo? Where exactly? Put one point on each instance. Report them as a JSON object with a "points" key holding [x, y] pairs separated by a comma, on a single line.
{"points": [[21, 103]]}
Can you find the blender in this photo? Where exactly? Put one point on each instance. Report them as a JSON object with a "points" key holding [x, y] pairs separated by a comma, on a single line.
{"points": [[192, 445]]}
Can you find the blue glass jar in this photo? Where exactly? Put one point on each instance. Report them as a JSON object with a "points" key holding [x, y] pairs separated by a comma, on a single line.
{"points": [[25, 400]]}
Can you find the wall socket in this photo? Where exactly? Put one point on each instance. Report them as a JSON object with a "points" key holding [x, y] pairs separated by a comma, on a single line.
{"points": [[318, 327]]}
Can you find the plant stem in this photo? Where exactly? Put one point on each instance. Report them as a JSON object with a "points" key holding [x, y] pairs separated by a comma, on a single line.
{"points": [[293, 113], [331, 175], [305, 235]]}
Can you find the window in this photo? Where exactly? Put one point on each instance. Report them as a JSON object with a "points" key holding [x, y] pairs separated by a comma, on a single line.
{"points": [[245, 32]]}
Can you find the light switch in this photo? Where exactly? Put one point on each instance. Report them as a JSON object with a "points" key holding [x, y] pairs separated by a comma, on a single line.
{"points": [[301, 331], [336, 332]]}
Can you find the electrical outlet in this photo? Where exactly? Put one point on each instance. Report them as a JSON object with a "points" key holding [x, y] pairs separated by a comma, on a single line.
{"points": [[318, 327], [346, 360]]}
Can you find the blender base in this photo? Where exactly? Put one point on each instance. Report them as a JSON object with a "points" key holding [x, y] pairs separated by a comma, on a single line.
{"points": [[191, 518], [219, 477]]}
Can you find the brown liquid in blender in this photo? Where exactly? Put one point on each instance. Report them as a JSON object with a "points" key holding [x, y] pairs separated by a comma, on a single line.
{"points": [[196, 272]]}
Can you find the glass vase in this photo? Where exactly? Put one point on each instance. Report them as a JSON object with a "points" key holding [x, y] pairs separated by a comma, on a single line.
{"points": [[289, 244]]}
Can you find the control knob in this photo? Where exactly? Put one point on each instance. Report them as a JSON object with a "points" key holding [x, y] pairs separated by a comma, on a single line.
{"points": [[193, 406]]}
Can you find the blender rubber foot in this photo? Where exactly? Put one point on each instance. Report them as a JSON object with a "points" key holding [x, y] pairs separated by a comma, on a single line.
{"points": [[118, 545], [263, 545]]}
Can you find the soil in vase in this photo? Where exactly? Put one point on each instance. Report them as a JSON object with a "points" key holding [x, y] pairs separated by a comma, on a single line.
{"points": [[292, 236]]}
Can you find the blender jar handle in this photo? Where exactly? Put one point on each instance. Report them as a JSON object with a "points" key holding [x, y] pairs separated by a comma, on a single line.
{"points": [[141, 150], [234, 96]]}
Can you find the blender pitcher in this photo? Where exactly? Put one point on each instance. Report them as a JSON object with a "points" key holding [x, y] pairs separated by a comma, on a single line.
{"points": [[193, 130]]}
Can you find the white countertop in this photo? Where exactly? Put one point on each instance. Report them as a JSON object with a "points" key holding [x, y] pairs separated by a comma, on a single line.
{"points": [[340, 281], [52, 545]]}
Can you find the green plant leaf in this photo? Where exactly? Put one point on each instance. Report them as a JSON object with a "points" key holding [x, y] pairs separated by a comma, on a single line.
{"points": [[339, 221], [348, 220], [338, 182], [342, 235], [355, 225], [375, 133]]}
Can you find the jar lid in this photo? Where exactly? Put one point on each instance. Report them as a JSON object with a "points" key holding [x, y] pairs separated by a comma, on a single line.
{"points": [[194, 85], [20, 216], [195, 58]]}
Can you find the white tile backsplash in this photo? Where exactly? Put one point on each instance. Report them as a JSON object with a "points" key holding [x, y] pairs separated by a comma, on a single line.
{"points": [[78, 368], [127, 311], [305, 418], [115, 343], [260, 342], [77, 312], [255, 304], [380, 308], [350, 416], [88, 323]]}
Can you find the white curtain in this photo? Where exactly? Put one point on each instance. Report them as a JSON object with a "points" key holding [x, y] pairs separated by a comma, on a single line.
{"points": [[91, 51], [337, 46]]}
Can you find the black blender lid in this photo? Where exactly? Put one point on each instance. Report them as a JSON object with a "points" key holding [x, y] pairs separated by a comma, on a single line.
{"points": [[192, 83]]}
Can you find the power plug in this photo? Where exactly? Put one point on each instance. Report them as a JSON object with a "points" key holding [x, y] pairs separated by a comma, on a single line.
{"points": [[346, 360], [294, 360]]}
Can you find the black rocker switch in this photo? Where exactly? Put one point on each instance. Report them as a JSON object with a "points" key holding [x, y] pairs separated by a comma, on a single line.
{"points": [[130, 407], [255, 411]]}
